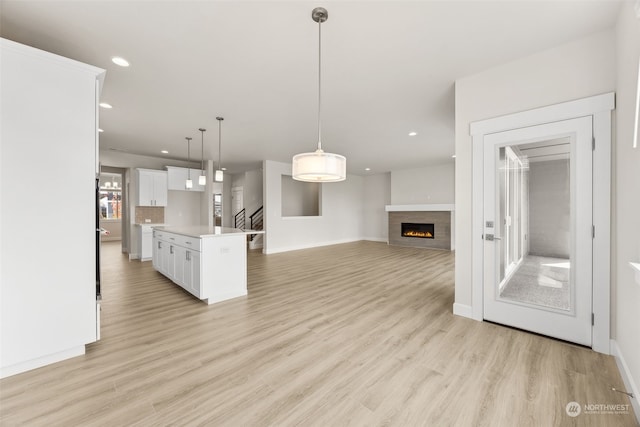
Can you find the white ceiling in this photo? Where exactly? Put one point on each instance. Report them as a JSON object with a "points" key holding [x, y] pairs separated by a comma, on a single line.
{"points": [[389, 68]]}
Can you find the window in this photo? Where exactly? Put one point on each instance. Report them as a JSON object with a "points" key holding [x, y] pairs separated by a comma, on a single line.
{"points": [[110, 196]]}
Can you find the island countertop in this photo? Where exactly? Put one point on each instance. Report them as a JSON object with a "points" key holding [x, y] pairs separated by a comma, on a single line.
{"points": [[203, 231]]}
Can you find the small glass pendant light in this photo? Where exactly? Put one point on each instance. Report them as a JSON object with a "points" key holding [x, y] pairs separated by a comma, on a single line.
{"points": [[219, 176], [202, 179], [189, 183]]}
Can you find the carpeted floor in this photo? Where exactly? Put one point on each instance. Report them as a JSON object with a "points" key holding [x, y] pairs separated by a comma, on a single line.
{"points": [[541, 281]]}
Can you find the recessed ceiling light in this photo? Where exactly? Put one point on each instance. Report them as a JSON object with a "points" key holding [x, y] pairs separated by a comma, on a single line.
{"points": [[120, 61], [454, 156], [100, 130], [105, 105], [224, 169], [367, 169], [164, 152], [413, 133]]}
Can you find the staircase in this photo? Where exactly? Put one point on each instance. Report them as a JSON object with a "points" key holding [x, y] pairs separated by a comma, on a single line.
{"points": [[256, 222]]}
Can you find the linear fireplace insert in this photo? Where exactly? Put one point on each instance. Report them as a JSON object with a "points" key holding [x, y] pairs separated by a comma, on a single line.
{"points": [[422, 231]]}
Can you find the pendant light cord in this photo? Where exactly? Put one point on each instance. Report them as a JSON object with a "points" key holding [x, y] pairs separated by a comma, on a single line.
{"points": [[219, 142], [202, 151], [188, 156], [319, 84]]}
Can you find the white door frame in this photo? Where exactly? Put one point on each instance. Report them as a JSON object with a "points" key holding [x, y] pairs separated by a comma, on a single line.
{"points": [[599, 107]]}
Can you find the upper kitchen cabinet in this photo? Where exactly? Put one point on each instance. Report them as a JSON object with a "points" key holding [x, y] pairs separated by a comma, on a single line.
{"points": [[49, 137], [178, 178], [152, 187]]}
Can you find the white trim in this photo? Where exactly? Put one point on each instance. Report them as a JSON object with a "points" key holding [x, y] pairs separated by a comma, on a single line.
{"points": [[376, 239], [309, 246], [636, 268], [463, 310], [419, 208], [602, 241], [477, 228], [7, 371], [552, 113], [599, 107], [625, 373]]}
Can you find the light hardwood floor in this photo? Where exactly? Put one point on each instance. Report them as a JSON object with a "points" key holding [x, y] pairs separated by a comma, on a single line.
{"points": [[353, 334]]}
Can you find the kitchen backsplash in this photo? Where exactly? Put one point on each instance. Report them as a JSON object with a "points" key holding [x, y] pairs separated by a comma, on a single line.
{"points": [[150, 214]]}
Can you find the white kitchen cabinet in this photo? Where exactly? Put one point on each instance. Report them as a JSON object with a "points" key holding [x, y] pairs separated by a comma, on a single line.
{"points": [[177, 178], [208, 262], [152, 187], [178, 258], [145, 242], [192, 272], [49, 122]]}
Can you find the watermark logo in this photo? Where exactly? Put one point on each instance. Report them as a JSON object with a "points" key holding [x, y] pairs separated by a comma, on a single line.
{"points": [[573, 409]]}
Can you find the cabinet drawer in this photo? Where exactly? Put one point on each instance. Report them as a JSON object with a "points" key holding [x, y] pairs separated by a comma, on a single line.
{"points": [[160, 235], [192, 243]]}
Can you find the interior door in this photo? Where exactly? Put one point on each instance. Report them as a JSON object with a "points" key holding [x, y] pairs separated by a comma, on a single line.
{"points": [[538, 229]]}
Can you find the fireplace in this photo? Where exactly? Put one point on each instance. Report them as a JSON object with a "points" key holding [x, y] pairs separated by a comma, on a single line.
{"points": [[421, 231]]}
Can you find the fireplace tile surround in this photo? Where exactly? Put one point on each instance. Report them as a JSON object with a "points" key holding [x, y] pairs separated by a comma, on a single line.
{"points": [[439, 215]]}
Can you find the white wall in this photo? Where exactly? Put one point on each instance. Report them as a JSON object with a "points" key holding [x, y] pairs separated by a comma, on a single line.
{"points": [[340, 220], [626, 210], [183, 208], [575, 70], [433, 184], [377, 194]]}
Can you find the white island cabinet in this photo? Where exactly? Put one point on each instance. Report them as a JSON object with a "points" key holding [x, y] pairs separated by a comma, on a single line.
{"points": [[208, 262]]}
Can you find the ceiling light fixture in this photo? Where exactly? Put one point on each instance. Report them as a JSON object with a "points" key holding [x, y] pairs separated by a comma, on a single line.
{"points": [[105, 105], [319, 166], [202, 179], [164, 152], [120, 61], [188, 184], [219, 175], [413, 133], [100, 130], [367, 169]]}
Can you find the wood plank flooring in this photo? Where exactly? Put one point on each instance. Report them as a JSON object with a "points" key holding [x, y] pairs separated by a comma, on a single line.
{"points": [[353, 334]]}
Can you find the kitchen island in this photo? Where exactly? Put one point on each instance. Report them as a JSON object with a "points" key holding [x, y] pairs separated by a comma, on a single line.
{"points": [[208, 262]]}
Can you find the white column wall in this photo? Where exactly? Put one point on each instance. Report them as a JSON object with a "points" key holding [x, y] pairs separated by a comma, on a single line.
{"points": [[626, 209], [340, 221], [377, 194]]}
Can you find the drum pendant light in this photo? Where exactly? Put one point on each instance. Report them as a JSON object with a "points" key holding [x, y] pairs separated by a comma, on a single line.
{"points": [[202, 179], [219, 175], [319, 166], [188, 184]]}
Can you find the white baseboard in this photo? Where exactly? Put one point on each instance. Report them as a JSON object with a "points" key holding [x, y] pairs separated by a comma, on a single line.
{"points": [[133, 256], [18, 368], [629, 383], [462, 310], [309, 246], [376, 239]]}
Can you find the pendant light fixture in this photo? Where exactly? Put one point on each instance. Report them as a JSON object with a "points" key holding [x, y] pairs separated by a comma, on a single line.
{"points": [[188, 184], [319, 166], [202, 179], [219, 176]]}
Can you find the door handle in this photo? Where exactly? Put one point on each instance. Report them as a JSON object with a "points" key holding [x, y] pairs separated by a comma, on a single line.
{"points": [[491, 237]]}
